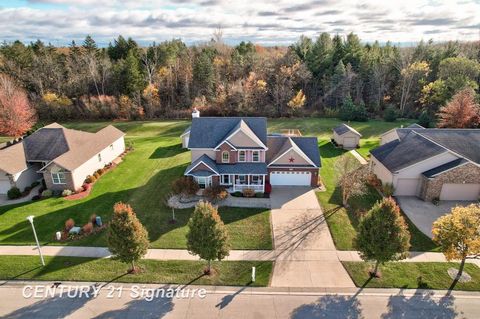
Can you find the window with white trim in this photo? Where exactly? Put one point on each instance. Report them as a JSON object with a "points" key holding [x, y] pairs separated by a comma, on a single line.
{"points": [[225, 157], [58, 178], [111, 147], [255, 179], [99, 156], [225, 179], [203, 182], [242, 179], [242, 155], [256, 156]]}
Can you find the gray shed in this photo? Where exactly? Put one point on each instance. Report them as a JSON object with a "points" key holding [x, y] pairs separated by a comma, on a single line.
{"points": [[346, 137]]}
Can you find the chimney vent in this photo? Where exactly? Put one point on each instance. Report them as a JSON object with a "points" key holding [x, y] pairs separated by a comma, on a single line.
{"points": [[195, 113]]}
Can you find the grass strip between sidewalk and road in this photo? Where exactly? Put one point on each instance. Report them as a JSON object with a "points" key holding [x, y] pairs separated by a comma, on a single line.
{"points": [[226, 273], [415, 275]]}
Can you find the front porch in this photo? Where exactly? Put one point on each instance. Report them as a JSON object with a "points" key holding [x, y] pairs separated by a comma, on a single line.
{"points": [[237, 183]]}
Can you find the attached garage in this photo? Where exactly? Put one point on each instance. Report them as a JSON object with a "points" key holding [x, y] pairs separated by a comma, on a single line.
{"points": [[460, 192], [4, 184], [290, 178], [407, 187]]}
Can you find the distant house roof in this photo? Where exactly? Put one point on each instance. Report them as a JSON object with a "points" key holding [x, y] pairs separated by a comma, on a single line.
{"points": [[415, 125], [56, 144], [411, 149], [187, 130], [209, 132], [416, 143], [445, 167], [344, 128], [277, 145]]}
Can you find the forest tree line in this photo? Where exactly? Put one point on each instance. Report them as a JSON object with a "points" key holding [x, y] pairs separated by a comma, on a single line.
{"points": [[327, 76]]}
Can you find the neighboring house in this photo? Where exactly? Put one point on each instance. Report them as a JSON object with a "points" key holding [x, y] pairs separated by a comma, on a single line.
{"points": [[63, 157], [346, 137], [430, 163], [237, 153]]}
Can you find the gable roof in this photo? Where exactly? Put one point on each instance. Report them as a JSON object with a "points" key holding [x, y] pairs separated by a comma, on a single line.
{"points": [[56, 144], [12, 159], [209, 132], [241, 126], [344, 128], [278, 145], [205, 160], [402, 153], [187, 131]]}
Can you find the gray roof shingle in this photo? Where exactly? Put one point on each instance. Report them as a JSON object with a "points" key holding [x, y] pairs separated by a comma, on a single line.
{"points": [[445, 167], [208, 132], [410, 150], [344, 128], [279, 144]]}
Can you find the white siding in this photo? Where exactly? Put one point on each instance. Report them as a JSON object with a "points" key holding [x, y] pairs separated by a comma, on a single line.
{"points": [[197, 153], [348, 139], [93, 164], [381, 171], [417, 169], [388, 137]]}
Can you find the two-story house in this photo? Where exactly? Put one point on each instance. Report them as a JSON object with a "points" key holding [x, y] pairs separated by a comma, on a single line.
{"points": [[237, 152]]}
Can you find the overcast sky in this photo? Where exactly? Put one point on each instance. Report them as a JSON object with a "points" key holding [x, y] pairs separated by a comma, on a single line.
{"points": [[265, 22]]}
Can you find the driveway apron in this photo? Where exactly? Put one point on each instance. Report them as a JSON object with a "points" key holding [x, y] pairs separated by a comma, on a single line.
{"points": [[305, 253]]}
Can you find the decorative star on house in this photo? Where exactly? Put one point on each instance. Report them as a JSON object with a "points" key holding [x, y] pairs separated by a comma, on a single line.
{"points": [[291, 160]]}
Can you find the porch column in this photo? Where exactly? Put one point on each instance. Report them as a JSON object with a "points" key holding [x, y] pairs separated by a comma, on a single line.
{"points": [[263, 183]]}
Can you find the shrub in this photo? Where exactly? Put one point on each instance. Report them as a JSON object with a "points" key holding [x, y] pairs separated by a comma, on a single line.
{"points": [[57, 192], [373, 180], [237, 194], [41, 190], [47, 193], [87, 228], [93, 218], [248, 192], [96, 175], [100, 171], [185, 185], [27, 189], [36, 197], [351, 112], [215, 193], [35, 184], [259, 195], [388, 189], [69, 224], [424, 119], [66, 192], [14, 193], [436, 201], [90, 179], [390, 114]]}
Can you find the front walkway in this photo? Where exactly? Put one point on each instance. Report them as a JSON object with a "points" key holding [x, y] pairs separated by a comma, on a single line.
{"points": [[423, 214], [5, 201], [359, 157], [306, 255]]}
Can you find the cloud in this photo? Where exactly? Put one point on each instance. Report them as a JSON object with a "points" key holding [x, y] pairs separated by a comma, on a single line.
{"points": [[267, 22]]}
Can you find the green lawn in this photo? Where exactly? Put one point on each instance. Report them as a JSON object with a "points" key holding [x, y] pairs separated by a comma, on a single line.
{"points": [[142, 180], [412, 275], [231, 273]]}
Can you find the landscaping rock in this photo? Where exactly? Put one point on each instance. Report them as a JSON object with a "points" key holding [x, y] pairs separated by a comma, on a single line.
{"points": [[74, 230]]}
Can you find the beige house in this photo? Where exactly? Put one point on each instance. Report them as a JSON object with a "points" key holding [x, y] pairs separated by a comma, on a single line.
{"points": [[346, 137], [431, 164], [62, 157]]}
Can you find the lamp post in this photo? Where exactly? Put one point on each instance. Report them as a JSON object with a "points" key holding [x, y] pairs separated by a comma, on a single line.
{"points": [[30, 219]]}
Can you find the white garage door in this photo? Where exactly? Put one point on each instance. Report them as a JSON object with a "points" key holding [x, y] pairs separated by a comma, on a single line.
{"points": [[460, 192], [349, 142], [4, 186], [407, 187], [290, 178]]}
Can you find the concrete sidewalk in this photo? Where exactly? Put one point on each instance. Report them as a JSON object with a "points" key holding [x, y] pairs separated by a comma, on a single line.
{"points": [[359, 157], [180, 254]]}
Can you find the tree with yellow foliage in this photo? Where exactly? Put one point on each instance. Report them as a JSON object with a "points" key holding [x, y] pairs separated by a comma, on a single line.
{"points": [[458, 234], [297, 101]]}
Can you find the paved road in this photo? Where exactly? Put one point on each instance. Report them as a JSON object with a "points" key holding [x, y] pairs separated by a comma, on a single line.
{"points": [[306, 255], [225, 302]]}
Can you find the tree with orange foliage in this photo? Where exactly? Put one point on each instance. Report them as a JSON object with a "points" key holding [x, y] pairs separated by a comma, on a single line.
{"points": [[460, 112], [17, 116]]}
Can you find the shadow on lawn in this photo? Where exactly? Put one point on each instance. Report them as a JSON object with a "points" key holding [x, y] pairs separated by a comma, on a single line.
{"points": [[167, 151], [148, 202]]}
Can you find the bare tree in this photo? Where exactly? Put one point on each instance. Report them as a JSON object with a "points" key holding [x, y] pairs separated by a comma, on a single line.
{"points": [[351, 177]]}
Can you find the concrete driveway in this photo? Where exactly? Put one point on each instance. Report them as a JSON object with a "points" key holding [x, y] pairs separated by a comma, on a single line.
{"points": [[304, 249], [423, 214]]}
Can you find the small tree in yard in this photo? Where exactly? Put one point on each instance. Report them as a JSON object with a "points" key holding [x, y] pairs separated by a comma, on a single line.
{"points": [[383, 234], [127, 238], [458, 234], [461, 112], [185, 186], [351, 177], [207, 236]]}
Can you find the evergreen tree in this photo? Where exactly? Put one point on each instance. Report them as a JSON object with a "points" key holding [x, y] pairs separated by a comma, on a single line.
{"points": [[338, 49], [127, 239], [319, 58], [207, 236], [203, 75], [89, 44], [128, 77], [121, 48], [353, 51], [339, 85], [383, 234]]}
